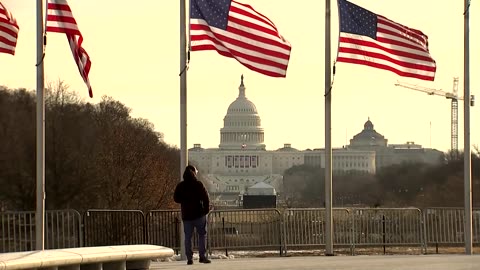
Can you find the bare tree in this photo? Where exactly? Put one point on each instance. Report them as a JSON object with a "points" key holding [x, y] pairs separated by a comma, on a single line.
{"points": [[133, 171], [97, 156], [17, 150]]}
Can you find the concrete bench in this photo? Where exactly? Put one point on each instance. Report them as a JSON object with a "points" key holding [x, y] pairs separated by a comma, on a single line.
{"points": [[97, 258]]}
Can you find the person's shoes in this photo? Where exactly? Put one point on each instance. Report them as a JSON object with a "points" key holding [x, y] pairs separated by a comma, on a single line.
{"points": [[205, 260], [189, 262]]}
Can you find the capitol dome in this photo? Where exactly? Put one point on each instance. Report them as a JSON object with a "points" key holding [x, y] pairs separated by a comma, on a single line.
{"points": [[242, 106], [242, 125]]}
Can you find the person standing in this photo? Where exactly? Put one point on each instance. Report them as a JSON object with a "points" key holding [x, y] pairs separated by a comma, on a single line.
{"points": [[193, 197]]}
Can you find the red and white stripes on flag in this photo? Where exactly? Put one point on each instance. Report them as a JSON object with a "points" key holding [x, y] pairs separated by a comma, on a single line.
{"points": [[8, 31], [370, 39], [236, 30], [60, 19]]}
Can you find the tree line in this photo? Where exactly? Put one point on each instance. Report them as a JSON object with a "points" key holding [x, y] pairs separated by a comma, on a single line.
{"points": [[399, 185], [99, 156], [96, 155]]}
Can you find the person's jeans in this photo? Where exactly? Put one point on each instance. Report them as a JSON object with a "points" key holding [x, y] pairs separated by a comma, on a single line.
{"points": [[201, 225]]}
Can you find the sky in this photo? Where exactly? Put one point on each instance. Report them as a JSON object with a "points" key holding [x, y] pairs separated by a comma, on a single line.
{"points": [[135, 54]]}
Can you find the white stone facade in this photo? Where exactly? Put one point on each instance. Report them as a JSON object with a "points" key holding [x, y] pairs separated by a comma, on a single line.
{"points": [[242, 161], [344, 160]]}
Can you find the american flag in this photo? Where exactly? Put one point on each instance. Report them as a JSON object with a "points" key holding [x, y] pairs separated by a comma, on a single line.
{"points": [[373, 40], [60, 19], [236, 30], [8, 31]]}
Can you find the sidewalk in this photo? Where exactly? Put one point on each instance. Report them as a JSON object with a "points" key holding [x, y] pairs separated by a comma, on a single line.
{"points": [[384, 262]]}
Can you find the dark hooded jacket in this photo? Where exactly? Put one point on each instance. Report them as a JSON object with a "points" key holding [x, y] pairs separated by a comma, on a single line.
{"points": [[192, 195]]}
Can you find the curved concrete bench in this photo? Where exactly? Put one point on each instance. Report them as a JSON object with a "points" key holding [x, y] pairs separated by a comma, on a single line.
{"points": [[108, 257]]}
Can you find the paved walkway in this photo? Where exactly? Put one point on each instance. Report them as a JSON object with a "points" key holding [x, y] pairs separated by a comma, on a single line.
{"points": [[384, 262]]}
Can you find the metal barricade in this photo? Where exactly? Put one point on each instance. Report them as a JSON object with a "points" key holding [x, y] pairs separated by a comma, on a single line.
{"points": [[446, 226], [258, 229], [163, 228], [62, 230], [243, 229], [387, 227], [305, 227], [114, 227]]}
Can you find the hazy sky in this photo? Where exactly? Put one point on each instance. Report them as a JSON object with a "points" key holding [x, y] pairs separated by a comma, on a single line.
{"points": [[134, 48]]}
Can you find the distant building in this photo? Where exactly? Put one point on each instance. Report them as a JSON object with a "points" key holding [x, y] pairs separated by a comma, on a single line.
{"points": [[241, 160], [344, 160], [388, 154], [261, 189]]}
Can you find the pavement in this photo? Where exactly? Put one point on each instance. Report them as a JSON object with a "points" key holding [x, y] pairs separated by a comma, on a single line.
{"points": [[364, 262]]}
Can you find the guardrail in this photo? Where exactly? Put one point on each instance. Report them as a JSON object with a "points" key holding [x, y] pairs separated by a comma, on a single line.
{"points": [[445, 226], [114, 227], [387, 227], [245, 229], [62, 230], [305, 227], [163, 228]]}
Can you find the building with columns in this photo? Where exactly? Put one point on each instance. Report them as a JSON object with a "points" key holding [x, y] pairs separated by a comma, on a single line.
{"points": [[242, 161], [389, 154], [242, 125]]}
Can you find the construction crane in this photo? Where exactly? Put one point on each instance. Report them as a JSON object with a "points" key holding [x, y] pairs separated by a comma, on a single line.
{"points": [[452, 96]]}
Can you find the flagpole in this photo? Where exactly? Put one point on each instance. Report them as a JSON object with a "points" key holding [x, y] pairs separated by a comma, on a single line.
{"points": [[328, 139], [40, 175], [467, 174], [183, 107]]}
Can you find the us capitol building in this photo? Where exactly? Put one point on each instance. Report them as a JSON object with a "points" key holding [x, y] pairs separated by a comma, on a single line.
{"points": [[242, 165]]}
